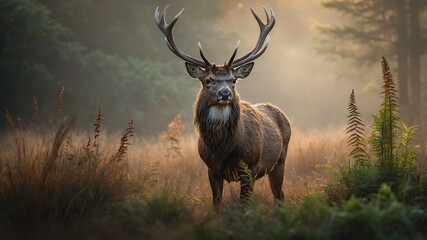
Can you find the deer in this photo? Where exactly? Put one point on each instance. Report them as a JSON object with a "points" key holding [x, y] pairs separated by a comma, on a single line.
{"points": [[231, 131]]}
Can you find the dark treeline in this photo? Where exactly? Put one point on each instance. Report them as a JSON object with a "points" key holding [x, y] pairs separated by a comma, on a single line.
{"points": [[113, 49], [98, 48], [382, 27]]}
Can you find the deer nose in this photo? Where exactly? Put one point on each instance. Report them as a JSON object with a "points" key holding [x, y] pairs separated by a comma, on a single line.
{"points": [[225, 94]]}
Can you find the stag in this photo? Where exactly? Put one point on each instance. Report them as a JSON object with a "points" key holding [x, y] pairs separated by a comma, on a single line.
{"points": [[232, 131]]}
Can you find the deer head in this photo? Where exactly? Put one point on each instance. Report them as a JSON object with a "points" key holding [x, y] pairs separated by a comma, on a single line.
{"points": [[218, 81]]}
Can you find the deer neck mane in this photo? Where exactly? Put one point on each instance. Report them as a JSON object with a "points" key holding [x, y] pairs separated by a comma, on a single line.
{"points": [[218, 125]]}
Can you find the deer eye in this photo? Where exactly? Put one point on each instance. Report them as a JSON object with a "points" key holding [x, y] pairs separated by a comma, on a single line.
{"points": [[208, 81], [234, 81]]}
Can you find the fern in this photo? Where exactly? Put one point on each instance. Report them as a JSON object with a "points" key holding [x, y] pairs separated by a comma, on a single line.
{"points": [[357, 134], [383, 139], [247, 182], [391, 143], [407, 152], [333, 172]]}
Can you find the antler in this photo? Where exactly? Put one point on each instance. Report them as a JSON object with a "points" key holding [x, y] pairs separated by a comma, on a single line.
{"points": [[167, 31], [256, 52]]}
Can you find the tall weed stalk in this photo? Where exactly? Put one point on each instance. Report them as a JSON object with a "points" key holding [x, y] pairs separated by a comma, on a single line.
{"points": [[58, 182]]}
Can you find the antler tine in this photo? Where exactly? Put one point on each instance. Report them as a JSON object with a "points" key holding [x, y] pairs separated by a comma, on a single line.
{"points": [[203, 55], [259, 53], [174, 20], [163, 16], [167, 31], [266, 14], [160, 18], [255, 56], [273, 17], [264, 30], [156, 16], [234, 54], [256, 16]]}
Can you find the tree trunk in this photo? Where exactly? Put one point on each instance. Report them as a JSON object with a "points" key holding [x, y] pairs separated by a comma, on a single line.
{"points": [[402, 54], [415, 55]]}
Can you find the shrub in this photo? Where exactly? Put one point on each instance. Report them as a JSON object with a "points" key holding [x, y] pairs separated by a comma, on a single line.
{"points": [[390, 146]]}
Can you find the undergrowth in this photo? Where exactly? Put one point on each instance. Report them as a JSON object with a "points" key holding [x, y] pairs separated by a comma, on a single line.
{"points": [[387, 156], [166, 216]]}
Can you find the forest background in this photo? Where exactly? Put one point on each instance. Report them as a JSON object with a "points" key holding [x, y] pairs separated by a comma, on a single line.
{"points": [[113, 49]]}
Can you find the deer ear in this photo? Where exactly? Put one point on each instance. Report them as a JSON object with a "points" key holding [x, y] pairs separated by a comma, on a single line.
{"points": [[194, 71], [244, 70]]}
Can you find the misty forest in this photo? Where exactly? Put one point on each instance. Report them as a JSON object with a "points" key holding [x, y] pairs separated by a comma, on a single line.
{"points": [[116, 127]]}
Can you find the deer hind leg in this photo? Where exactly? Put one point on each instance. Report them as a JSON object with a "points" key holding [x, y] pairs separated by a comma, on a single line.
{"points": [[276, 180], [216, 185]]}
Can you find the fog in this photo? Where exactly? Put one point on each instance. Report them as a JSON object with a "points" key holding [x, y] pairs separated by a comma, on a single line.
{"points": [[312, 90], [114, 50]]}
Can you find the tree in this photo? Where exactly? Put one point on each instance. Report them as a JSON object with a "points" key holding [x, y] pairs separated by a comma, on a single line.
{"points": [[380, 28], [417, 48], [100, 48], [29, 37]]}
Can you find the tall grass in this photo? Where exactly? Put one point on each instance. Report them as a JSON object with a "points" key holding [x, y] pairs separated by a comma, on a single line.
{"points": [[48, 180], [66, 176], [186, 173], [158, 188]]}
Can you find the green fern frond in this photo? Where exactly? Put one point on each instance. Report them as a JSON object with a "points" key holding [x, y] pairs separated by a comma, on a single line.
{"points": [[334, 173], [245, 173], [407, 151], [356, 139], [384, 135], [246, 180]]}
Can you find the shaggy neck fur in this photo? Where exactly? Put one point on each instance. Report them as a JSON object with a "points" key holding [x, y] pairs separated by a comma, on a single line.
{"points": [[218, 127], [219, 113]]}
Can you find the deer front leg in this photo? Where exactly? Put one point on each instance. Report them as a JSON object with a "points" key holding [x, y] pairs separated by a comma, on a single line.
{"points": [[216, 185]]}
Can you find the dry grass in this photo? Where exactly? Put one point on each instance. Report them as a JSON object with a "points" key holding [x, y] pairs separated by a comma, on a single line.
{"points": [[65, 177], [119, 182], [62, 176], [57, 178], [185, 172]]}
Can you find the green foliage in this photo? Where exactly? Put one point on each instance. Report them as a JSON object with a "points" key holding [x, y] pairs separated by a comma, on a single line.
{"points": [[384, 135], [130, 81], [391, 139], [95, 48], [247, 182], [161, 208], [407, 151], [29, 39], [382, 218], [361, 181], [356, 138], [390, 145]]}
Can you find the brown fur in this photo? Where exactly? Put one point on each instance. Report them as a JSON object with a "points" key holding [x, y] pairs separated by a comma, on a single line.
{"points": [[257, 134], [231, 130]]}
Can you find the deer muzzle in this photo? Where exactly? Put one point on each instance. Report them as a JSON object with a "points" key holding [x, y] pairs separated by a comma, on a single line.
{"points": [[224, 96]]}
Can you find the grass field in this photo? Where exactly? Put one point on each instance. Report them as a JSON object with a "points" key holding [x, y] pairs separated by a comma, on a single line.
{"points": [[339, 184], [60, 185]]}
